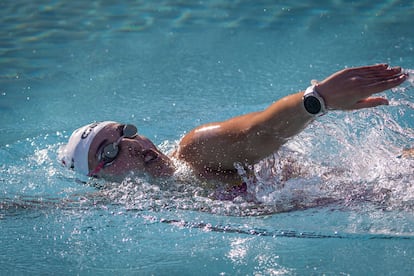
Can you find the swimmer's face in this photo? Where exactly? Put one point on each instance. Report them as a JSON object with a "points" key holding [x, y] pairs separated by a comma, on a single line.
{"points": [[137, 154]]}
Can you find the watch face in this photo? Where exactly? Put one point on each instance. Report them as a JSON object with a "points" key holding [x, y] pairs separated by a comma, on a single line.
{"points": [[312, 105]]}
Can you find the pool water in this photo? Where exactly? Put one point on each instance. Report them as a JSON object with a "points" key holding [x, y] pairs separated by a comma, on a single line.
{"points": [[168, 66]]}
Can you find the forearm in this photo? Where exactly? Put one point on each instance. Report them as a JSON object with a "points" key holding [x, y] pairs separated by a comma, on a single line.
{"points": [[268, 130], [283, 119], [247, 138]]}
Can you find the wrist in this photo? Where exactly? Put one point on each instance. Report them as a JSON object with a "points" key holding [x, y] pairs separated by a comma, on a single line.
{"points": [[313, 102]]}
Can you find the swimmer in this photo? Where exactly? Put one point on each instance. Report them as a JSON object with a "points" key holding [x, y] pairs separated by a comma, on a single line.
{"points": [[111, 150]]}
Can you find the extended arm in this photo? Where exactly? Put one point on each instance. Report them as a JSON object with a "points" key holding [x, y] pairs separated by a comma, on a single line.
{"points": [[249, 138]]}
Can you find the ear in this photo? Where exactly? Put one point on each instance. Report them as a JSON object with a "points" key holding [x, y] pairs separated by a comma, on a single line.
{"points": [[150, 155]]}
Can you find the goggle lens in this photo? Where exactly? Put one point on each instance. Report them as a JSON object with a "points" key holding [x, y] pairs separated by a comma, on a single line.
{"points": [[110, 151], [129, 131]]}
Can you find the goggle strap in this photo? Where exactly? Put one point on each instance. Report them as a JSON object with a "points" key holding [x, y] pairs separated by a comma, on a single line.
{"points": [[97, 169]]}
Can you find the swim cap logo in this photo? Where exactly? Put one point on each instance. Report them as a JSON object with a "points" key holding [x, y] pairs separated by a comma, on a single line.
{"points": [[87, 131]]}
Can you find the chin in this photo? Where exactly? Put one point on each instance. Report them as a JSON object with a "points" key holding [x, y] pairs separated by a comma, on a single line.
{"points": [[163, 172]]}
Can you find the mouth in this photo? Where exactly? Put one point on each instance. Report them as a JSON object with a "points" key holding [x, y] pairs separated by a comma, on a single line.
{"points": [[165, 167]]}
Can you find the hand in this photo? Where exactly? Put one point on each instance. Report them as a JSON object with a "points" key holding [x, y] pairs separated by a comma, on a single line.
{"points": [[352, 88]]}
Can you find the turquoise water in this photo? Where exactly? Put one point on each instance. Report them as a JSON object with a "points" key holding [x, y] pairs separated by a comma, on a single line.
{"points": [[168, 66]]}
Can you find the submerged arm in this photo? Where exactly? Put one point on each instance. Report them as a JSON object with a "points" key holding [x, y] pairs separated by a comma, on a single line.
{"points": [[254, 136]]}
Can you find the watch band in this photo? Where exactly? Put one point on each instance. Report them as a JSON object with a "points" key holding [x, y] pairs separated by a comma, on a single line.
{"points": [[313, 102]]}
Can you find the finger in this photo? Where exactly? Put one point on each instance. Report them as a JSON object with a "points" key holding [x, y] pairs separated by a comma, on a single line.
{"points": [[379, 86], [369, 72], [370, 102], [381, 73], [370, 68]]}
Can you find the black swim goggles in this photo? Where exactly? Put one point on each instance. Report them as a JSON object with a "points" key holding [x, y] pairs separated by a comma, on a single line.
{"points": [[110, 151]]}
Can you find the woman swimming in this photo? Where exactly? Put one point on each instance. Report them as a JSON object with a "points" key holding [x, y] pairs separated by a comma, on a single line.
{"points": [[111, 150]]}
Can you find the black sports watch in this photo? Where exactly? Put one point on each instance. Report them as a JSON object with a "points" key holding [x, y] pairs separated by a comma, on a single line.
{"points": [[313, 102]]}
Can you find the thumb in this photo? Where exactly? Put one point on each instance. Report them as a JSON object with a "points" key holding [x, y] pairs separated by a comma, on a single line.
{"points": [[370, 102]]}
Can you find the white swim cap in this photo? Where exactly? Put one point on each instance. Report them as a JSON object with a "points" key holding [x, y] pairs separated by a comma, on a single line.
{"points": [[75, 154]]}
